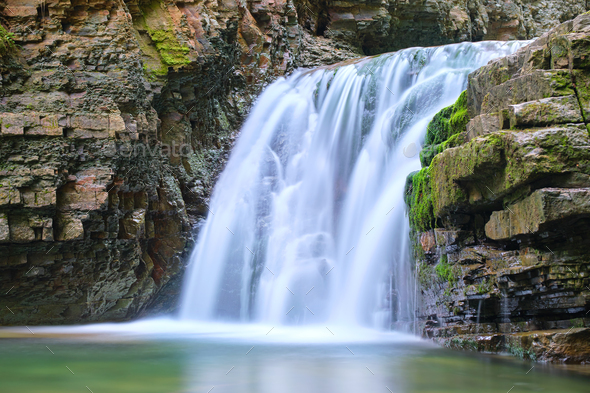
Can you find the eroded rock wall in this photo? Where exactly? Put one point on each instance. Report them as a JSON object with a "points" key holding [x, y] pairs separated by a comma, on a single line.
{"points": [[116, 118], [388, 25], [501, 211]]}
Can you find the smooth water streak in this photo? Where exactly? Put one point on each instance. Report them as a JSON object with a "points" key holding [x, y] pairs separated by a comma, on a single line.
{"points": [[309, 219]]}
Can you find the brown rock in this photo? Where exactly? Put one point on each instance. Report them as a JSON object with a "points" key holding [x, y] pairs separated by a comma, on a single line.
{"points": [[428, 242], [12, 124], [20, 230], [69, 227], [4, 228]]}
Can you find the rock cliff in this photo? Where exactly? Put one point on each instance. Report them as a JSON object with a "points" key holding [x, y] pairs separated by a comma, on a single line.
{"points": [[387, 25], [116, 118], [500, 212]]}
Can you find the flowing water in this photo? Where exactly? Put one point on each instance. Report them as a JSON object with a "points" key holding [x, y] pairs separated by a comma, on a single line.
{"points": [[307, 221], [307, 237]]}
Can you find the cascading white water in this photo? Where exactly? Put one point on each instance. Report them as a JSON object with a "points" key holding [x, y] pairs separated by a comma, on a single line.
{"points": [[307, 222]]}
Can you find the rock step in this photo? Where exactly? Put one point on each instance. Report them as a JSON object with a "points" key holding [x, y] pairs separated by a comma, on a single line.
{"points": [[482, 172], [538, 212], [566, 345]]}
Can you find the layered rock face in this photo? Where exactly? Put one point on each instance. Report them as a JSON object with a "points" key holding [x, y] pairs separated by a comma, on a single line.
{"points": [[116, 118], [501, 210], [381, 26]]}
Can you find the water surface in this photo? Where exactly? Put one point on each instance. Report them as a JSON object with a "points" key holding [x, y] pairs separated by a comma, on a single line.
{"points": [[262, 362]]}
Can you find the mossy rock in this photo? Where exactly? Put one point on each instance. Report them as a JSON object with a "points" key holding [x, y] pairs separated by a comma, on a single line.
{"points": [[427, 154], [485, 170], [447, 123], [418, 197]]}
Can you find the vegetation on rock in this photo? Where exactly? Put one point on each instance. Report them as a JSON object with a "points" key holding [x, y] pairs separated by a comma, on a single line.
{"points": [[7, 44], [509, 181], [445, 271], [418, 196], [446, 124]]}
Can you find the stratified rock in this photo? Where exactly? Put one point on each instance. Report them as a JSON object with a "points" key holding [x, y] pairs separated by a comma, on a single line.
{"points": [[381, 26], [554, 110], [116, 119], [483, 124], [486, 169], [513, 275], [539, 211]]}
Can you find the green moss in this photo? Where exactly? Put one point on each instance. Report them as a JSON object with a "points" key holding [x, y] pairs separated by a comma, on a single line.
{"points": [[462, 343], [418, 197], [460, 116], [439, 129], [483, 287], [172, 53], [447, 272], [447, 123], [160, 28], [425, 275], [561, 84], [577, 323], [7, 44], [453, 141], [427, 154]]}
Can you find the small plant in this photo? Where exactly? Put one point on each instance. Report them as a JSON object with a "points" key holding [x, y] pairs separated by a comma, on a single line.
{"points": [[483, 287], [462, 343], [7, 44], [521, 353], [425, 274], [446, 272], [577, 323]]}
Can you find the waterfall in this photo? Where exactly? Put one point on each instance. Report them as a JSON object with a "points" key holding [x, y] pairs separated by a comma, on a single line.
{"points": [[307, 222]]}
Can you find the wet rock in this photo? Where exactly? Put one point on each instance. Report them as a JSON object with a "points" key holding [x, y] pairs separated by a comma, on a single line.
{"points": [[487, 168], [518, 280], [428, 242], [109, 112]]}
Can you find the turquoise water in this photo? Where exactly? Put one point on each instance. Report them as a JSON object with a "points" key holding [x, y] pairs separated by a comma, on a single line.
{"points": [[210, 365]]}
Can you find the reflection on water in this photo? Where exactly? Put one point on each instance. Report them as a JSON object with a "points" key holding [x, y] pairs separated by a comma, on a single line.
{"points": [[200, 363]]}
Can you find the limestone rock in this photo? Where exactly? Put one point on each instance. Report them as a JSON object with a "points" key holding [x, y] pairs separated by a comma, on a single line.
{"points": [[69, 228], [483, 124], [4, 228], [388, 25], [543, 208], [428, 241], [489, 167], [521, 177], [557, 110]]}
